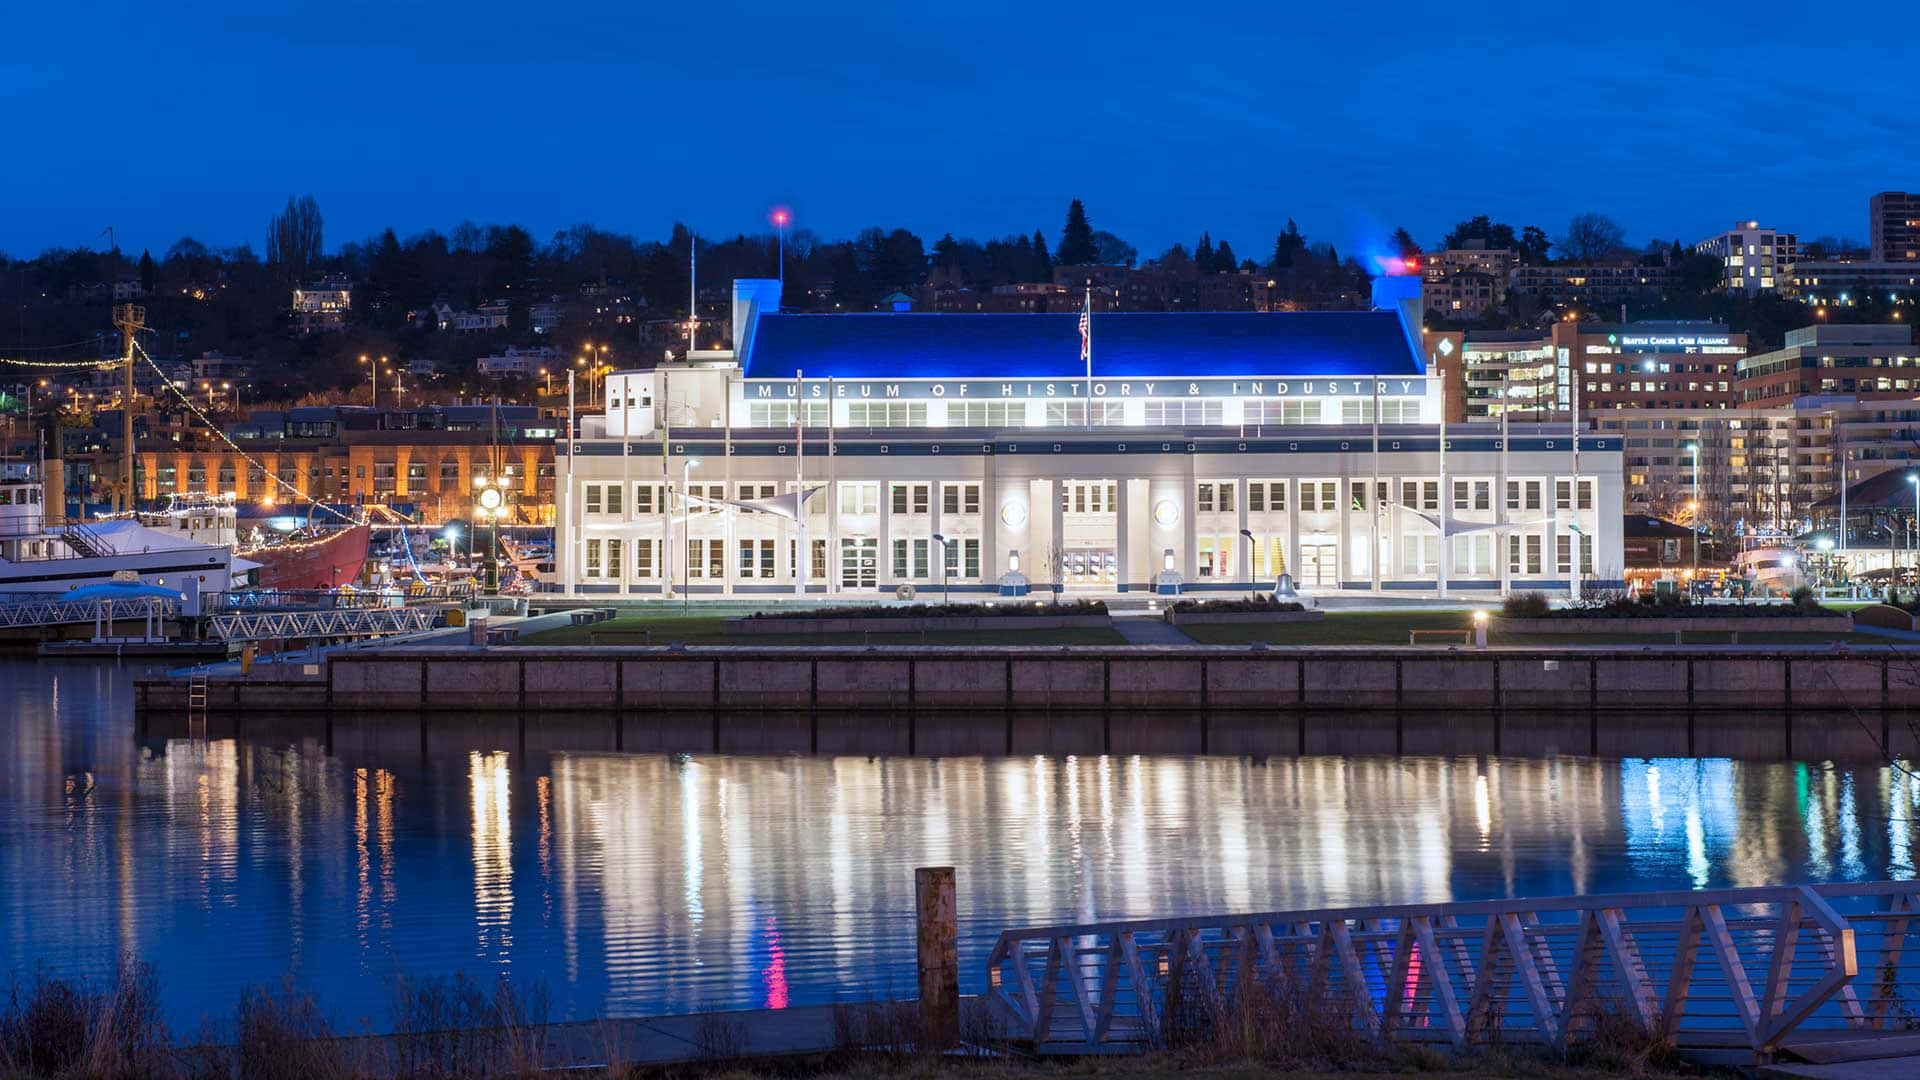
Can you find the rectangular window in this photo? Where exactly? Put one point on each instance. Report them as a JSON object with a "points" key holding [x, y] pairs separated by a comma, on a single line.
{"points": [[643, 498], [959, 498], [593, 559], [1460, 495], [860, 498], [593, 498], [449, 473], [615, 562], [920, 571], [900, 560], [1074, 414], [643, 557], [613, 499], [986, 414], [749, 566], [970, 548]]}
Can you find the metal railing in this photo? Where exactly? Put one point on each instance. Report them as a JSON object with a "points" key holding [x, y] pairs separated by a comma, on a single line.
{"points": [[56, 612], [1746, 970], [305, 625], [335, 599]]}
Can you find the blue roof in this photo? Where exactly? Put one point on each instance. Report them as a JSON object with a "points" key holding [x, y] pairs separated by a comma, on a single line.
{"points": [[1125, 345], [120, 590]]}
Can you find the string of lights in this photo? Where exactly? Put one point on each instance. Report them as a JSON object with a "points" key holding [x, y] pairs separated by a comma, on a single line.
{"points": [[97, 365], [187, 400]]}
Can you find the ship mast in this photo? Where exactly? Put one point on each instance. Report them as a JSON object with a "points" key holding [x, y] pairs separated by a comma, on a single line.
{"points": [[130, 318]]}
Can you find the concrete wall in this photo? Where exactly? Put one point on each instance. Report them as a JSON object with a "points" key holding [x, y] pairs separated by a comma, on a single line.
{"points": [[1747, 702]]}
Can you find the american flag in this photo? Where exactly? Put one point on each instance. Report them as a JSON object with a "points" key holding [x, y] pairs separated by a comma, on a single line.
{"points": [[1086, 333]]}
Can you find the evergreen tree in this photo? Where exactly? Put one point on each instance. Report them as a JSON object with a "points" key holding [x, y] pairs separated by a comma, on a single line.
{"points": [[1041, 259], [1404, 244], [1534, 245], [1203, 254], [1223, 260], [1286, 246], [149, 273], [1076, 240]]}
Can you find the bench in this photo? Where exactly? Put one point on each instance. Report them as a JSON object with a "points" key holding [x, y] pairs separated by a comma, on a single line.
{"points": [[1464, 637], [505, 635]]}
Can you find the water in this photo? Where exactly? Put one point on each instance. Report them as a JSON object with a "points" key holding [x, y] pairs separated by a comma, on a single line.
{"points": [[643, 883]]}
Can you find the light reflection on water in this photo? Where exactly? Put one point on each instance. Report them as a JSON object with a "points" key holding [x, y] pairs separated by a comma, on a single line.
{"points": [[651, 883]]}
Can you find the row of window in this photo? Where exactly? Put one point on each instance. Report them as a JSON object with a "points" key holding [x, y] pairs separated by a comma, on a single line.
{"points": [[1102, 496], [755, 560], [1179, 412]]}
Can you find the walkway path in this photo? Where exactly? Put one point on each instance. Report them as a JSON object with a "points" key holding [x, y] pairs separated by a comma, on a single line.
{"points": [[1146, 630]]}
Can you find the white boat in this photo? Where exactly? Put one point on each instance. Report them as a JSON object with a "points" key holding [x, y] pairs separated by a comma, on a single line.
{"points": [[36, 557], [1771, 562]]}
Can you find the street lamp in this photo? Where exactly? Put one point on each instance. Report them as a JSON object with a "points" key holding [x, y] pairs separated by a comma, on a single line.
{"points": [[451, 534], [941, 540], [490, 494], [1914, 479], [1252, 586]]}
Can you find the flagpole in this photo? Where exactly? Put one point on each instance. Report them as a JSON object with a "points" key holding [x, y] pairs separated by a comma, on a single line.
{"points": [[802, 558], [1573, 497], [1086, 348], [1373, 496]]}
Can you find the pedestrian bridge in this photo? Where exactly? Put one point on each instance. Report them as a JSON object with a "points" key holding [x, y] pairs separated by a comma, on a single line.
{"points": [[1734, 975]]}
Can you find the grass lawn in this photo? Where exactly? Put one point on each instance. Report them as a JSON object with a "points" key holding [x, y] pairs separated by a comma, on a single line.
{"points": [[710, 630]]}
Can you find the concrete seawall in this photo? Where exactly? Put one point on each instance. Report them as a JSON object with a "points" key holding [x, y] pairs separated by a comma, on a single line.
{"points": [[459, 678]]}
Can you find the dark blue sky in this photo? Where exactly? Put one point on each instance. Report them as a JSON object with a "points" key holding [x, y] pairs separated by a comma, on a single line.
{"points": [[982, 119]]}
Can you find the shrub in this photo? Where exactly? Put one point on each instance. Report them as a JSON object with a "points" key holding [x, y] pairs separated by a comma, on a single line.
{"points": [[62, 1027], [1526, 605], [938, 611], [1236, 605]]}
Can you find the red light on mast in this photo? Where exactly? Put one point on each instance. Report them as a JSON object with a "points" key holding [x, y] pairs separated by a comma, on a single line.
{"points": [[780, 216]]}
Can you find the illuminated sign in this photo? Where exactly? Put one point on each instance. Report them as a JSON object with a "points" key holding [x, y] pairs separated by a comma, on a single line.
{"points": [[1673, 341], [1021, 389]]}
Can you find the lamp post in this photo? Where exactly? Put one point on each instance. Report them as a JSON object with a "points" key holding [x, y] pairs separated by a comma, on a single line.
{"points": [[451, 535], [942, 541], [1693, 451], [490, 497], [1914, 480], [1252, 585], [373, 378]]}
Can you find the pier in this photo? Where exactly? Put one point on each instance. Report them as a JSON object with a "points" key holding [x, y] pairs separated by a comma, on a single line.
{"points": [[1818, 973]]}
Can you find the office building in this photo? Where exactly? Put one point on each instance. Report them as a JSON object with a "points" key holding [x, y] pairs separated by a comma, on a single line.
{"points": [[1208, 451]]}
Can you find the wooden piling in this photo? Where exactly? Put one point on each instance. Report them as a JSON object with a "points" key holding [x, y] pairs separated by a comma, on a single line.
{"points": [[938, 937]]}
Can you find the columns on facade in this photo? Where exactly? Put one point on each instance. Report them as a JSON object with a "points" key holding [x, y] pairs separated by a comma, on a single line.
{"points": [[1056, 529], [1293, 528], [885, 569], [990, 521], [402, 459], [1123, 547], [1241, 545], [1189, 523]]}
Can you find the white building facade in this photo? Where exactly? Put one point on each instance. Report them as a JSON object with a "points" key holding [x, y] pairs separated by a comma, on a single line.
{"points": [[1207, 452]]}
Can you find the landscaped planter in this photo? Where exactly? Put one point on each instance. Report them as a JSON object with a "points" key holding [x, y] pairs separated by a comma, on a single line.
{"points": [[1653, 624], [1203, 618], [1886, 615], [896, 625]]}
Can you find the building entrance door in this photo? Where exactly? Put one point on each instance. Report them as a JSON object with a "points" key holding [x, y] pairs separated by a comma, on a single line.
{"points": [[1090, 568], [1319, 566]]}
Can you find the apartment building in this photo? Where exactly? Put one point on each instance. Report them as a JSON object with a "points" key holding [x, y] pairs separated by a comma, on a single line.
{"points": [[1871, 361], [1756, 259], [1893, 225]]}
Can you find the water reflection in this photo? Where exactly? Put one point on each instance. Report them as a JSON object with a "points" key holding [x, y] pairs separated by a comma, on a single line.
{"points": [[637, 883]]}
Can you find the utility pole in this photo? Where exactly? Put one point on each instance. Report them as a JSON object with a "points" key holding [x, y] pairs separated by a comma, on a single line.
{"points": [[130, 318]]}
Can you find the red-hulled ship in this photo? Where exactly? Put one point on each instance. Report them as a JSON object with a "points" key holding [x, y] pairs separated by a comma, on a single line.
{"points": [[327, 561]]}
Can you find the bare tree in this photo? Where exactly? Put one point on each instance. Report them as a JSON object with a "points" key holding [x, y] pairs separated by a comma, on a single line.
{"points": [[293, 239], [1591, 236]]}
